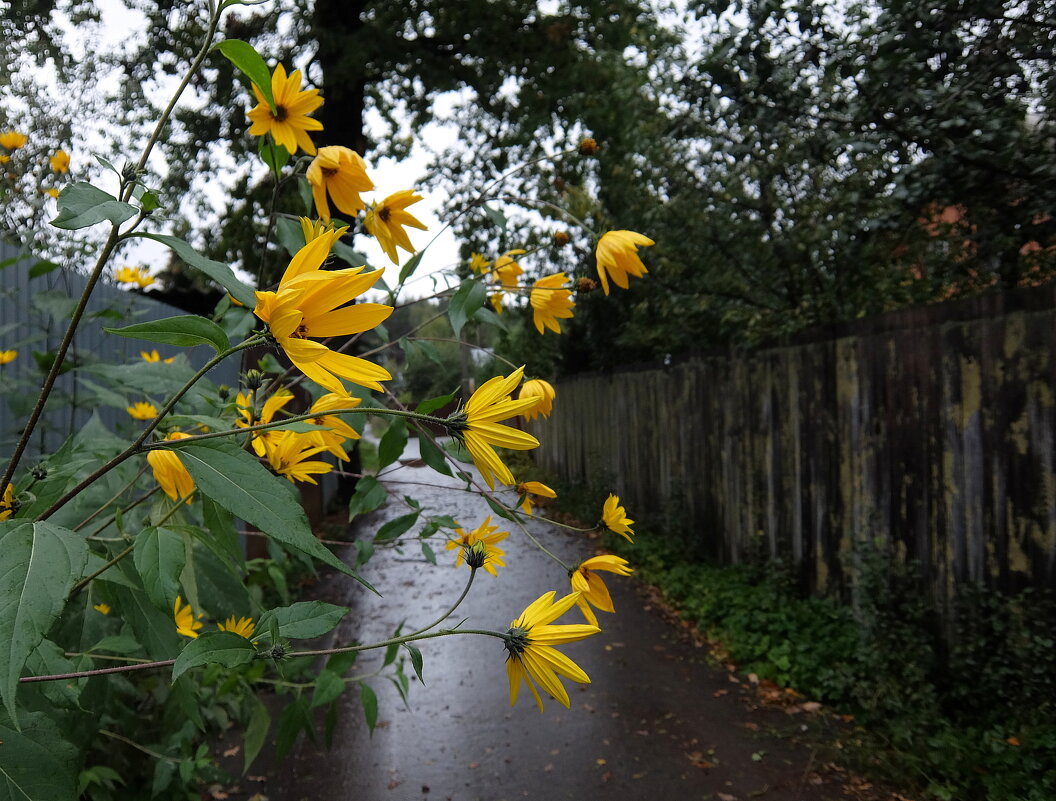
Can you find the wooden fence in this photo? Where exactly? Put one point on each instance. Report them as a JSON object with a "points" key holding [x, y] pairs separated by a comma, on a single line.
{"points": [[929, 432]]}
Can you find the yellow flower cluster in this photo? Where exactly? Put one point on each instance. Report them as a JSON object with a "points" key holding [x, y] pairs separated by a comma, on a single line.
{"points": [[134, 275], [188, 624]]}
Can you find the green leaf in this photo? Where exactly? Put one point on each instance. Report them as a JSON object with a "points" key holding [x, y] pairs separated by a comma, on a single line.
{"points": [[149, 201], [488, 317], [186, 331], [220, 535], [410, 266], [155, 629], [370, 706], [496, 216], [289, 234], [292, 720], [42, 268], [159, 556], [216, 270], [432, 404], [256, 732], [37, 764], [500, 511], [214, 648], [370, 494], [82, 205], [469, 297], [433, 456], [302, 620], [428, 553], [352, 257], [328, 687], [249, 62], [393, 441], [240, 484], [55, 303], [364, 552], [416, 660], [304, 189], [413, 347], [39, 563], [275, 156], [395, 528]]}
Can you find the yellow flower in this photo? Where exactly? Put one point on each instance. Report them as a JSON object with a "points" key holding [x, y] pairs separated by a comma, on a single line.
{"points": [[60, 162], [617, 253], [479, 429], [244, 626], [496, 301], [134, 275], [186, 622], [13, 140], [591, 588], [615, 518], [507, 271], [311, 302], [154, 356], [288, 453], [143, 410], [342, 173], [542, 393], [103, 609], [4, 158], [8, 506], [530, 642], [478, 264], [529, 488], [8, 356], [484, 533], [313, 229], [169, 471], [337, 430], [550, 301], [51, 192], [246, 412], [385, 222], [289, 123]]}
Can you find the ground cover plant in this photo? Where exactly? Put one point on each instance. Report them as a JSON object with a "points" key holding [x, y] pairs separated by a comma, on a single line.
{"points": [[133, 626]]}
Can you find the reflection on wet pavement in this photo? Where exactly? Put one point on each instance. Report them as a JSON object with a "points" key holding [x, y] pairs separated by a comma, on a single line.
{"points": [[657, 722]]}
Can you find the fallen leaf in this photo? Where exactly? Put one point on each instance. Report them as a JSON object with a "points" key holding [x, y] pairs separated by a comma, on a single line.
{"points": [[725, 797], [719, 693], [473, 765], [810, 706], [753, 678], [1013, 741], [599, 761], [232, 751]]}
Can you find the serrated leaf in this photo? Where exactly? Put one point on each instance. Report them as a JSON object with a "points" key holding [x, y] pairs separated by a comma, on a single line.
{"points": [[214, 648], [216, 270], [82, 205], [370, 706], [370, 494], [469, 297], [249, 62], [433, 456], [160, 555], [240, 484], [186, 330], [416, 660], [39, 563], [500, 511], [37, 764], [301, 621], [393, 442], [410, 266], [396, 528], [432, 404], [328, 687]]}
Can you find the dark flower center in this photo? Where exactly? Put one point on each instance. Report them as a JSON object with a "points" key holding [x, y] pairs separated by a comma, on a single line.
{"points": [[281, 113]]}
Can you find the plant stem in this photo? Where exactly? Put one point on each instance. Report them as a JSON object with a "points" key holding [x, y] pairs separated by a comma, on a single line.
{"points": [[115, 736], [119, 494], [448, 613]]}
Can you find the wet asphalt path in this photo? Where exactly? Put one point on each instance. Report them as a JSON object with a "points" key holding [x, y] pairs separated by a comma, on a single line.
{"points": [[657, 723]]}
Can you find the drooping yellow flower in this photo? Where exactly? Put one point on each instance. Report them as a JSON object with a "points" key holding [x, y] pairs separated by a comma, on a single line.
{"points": [[484, 533], [134, 275], [551, 300], [342, 173], [528, 489], [337, 430], [289, 123], [385, 222], [154, 356], [143, 410], [530, 641], [187, 623], [591, 589], [507, 272], [102, 609], [60, 161], [542, 392], [169, 471], [247, 416], [479, 429], [311, 302], [244, 626], [13, 140], [615, 518], [495, 300], [8, 356], [617, 254], [478, 264], [7, 504], [289, 454]]}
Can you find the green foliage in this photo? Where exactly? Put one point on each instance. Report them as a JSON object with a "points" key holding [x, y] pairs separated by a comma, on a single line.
{"points": [[962, 714]]}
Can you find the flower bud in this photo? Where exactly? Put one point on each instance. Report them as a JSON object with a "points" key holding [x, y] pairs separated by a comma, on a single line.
{"points": [[588, 147], [39, 472], [586, 285], [476, 554], [224, 391], [254, 379], [561, 238]]}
